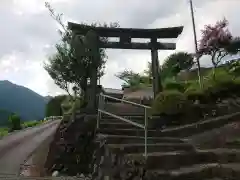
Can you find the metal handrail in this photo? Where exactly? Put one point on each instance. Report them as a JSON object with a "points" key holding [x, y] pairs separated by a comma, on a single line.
{"points": [[125, 101], [145, 126], [121, 118], [53, 117]]}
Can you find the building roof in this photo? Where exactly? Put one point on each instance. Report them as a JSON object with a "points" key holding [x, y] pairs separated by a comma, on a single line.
{"points": [[141, 93], [112, 91]]}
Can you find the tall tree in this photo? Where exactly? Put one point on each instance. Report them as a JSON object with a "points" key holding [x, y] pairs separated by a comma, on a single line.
{"points": [[148, 71], [133, 80], [175, 63], [53, 107], [72, 65], [218, 42]]}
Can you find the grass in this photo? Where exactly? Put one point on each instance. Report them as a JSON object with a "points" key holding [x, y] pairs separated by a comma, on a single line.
{"points": [[4, 130]]}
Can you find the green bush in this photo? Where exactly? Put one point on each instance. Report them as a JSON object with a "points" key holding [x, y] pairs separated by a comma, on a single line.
{"points": [[195, 92], [70, 105], [169, 103], [3, 132], [14, 122], [174, 85], [31, 124], [221, 85]]}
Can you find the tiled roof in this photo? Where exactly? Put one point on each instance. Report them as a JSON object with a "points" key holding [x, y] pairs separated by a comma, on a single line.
{"points": [[112, 91], [146, 92]]}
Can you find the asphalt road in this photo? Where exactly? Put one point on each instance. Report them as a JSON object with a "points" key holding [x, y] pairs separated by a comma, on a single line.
{"points": [[15, 148]]}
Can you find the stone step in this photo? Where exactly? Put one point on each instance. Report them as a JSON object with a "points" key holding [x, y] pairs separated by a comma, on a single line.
{"points": [[212, 171], [117, 125], [176, 160], [117, 139], [17, 177], [137, 119], [132, 116], [201, 126], [123, 108], [140, 148], [129, 132], [199, 172]]}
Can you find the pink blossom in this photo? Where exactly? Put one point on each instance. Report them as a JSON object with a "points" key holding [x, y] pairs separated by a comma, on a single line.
{"points": [[214, 37]]}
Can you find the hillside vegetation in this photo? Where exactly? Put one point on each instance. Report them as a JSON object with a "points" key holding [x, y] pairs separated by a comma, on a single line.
{"points": [[20, 100]]}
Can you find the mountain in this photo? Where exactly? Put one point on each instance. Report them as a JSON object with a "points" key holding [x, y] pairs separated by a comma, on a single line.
{"points": [[18, 99]]}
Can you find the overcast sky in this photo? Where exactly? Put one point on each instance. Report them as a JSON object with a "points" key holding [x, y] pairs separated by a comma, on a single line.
{"points": [[28, 33]]}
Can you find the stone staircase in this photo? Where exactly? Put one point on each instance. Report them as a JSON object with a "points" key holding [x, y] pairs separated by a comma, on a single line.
{"points": [[169, 157]]}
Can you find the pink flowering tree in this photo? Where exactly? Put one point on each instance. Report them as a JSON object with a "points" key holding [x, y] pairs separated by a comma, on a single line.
{"points": [[218, 42]]}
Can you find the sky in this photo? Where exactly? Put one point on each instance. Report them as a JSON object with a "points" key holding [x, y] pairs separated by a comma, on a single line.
{"points": [[28, 33]]}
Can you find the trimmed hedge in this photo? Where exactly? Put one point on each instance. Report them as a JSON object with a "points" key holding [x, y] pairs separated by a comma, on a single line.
{"points": [[169, 103], [214, 90], [174, 85]]}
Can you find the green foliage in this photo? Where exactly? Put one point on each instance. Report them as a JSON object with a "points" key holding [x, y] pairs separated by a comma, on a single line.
{"points": [[21, 100], [169, 103], [77, 58], [71, 105], [170, 68], [194, 92], [175, 85], [223, 88], [53, 108], [14, 122], [31, 124], [219, 86], [175, 63], [234, 68], [4, 117], [3, 132], [133, 80], [218, 42], [67, 105]]}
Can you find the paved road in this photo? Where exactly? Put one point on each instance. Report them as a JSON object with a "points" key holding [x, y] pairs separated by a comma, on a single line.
{"points": [[15, 148]]}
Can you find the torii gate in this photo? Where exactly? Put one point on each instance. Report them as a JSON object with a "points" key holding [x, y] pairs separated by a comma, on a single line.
{"points": [[125, 35]]}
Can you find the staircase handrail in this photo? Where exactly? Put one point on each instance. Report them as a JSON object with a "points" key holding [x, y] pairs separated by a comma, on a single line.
{"points": [[126, 101], [145, 126], [122, 118]]}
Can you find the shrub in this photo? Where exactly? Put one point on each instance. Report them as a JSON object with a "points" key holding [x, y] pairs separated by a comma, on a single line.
{"points": [[194, 92], [70, 105], [223, 86], [15, 122], [220, 86], [174, 85], [77, 104], [66, 105], [31, 124], [169, 103], [3, 132]]}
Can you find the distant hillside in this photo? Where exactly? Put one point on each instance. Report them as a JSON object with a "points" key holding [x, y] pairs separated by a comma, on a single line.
{"points": [[21, 100]]}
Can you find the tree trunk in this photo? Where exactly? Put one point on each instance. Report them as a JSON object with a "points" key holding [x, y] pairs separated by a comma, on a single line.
{"points": [[84, 91]]}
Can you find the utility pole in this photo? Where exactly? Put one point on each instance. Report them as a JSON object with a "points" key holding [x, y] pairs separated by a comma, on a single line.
{"points": [[195, 41]]}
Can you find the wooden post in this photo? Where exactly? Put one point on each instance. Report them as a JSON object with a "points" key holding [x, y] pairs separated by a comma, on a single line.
{"points": [[95, 54], [157, 86], [93, 90]]}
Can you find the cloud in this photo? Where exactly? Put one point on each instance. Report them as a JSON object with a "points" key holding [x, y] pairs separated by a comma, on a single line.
{"points": [[28, 33]]}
